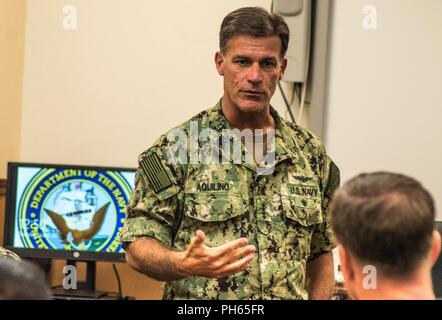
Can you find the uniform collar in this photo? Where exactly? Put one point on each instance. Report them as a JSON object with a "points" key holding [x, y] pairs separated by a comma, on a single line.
{"points": [[285, 145]]}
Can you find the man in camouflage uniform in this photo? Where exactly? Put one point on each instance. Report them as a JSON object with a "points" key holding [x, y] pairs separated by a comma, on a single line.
{"points": [[222, 229], [5, 253]]}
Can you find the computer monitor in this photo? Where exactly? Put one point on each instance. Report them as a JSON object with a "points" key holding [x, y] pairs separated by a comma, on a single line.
{"points": [[66, 211]]}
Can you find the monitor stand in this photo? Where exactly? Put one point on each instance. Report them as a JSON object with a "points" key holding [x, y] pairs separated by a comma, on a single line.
{"points": [[84, 290]]}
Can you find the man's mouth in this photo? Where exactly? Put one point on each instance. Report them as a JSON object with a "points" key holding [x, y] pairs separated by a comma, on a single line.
{"points": [[253, 93]]}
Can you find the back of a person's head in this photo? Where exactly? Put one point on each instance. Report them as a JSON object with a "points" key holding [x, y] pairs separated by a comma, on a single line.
{"points": [[386, 220], [22, 280], [5, 254]]}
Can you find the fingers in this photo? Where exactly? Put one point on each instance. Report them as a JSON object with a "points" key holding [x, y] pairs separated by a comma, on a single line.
{"points": [[229, 247], [198, 240], [241, 252], [226, 261], [217, 262], [201, 236], [236, 266]]}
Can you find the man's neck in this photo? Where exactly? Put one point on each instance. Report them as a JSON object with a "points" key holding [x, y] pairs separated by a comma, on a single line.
{"points": [[416, 288], [247, 120]]}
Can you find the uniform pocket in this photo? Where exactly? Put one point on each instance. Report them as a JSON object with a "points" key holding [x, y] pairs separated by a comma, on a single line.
{"points": [[220, 215], [300, 221], [214, 207], [304, 211]]}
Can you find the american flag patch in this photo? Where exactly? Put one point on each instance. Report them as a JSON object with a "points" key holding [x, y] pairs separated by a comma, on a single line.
{"points": [[155, 173]]}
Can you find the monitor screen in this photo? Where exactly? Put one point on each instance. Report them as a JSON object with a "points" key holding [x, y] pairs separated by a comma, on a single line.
{"points": [[67, 212]]}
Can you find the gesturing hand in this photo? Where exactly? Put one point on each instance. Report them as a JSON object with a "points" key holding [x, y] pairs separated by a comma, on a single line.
{"points": [[216, 262]]}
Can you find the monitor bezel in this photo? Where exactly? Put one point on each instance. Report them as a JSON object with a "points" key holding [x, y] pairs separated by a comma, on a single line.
{"points": [[11, 193]]}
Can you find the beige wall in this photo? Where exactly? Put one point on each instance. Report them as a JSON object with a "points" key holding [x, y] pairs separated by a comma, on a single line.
{"points": [[385, 101], [101, 94], [12, 40]]}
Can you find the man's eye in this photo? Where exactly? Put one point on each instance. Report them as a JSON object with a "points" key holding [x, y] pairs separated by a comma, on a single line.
{"points": [[268, 64], [242, 62]]}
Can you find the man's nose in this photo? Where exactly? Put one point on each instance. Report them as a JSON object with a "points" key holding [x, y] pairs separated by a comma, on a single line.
{"points": [[254, 74]]}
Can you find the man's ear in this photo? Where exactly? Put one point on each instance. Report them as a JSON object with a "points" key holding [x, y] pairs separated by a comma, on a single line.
{"points": [[283, 67], [347, 266], [435, 248], [219, 59]]}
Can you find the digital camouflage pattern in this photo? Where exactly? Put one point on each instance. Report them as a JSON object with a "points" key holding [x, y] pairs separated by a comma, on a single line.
{"points": [[283, 214], [5, 253]]}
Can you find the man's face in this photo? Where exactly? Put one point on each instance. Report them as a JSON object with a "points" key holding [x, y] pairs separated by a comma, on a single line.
{"points": [[251, 68]]}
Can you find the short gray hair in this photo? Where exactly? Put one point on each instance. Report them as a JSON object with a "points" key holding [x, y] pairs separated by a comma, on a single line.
{"points": [[255, 22]]}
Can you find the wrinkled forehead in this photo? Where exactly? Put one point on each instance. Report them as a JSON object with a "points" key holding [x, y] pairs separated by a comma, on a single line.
{"points": [[254, 47]]}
